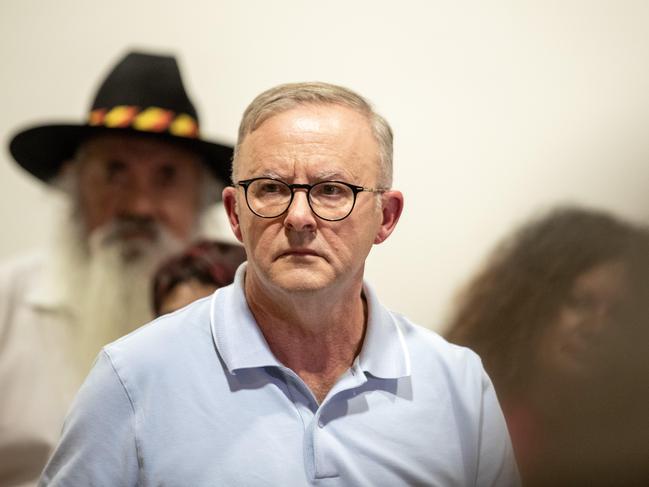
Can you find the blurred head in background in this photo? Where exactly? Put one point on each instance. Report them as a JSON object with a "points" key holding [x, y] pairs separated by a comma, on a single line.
{"points": [[195, 273], [137, 177], [552, 294], [559, 317]]}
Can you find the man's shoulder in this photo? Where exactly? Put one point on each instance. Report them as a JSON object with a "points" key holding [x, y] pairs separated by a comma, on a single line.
{"points": [[19, 277], [169, 338], [429, 349], [420, 335], [427, 352]]}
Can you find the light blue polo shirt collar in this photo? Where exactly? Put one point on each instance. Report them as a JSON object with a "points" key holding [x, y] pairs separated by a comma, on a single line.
{"points": [[384, 353], [242, 345], [236, 335]]}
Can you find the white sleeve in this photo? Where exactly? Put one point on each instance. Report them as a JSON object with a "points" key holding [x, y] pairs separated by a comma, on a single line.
{"points": [[497, 464], [98, 445]]}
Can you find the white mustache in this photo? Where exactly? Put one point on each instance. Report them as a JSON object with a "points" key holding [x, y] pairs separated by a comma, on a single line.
{"points": [[121, 228], [152, 238]]}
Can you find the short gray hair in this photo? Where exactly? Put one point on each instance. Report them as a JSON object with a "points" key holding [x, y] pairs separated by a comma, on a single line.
{"points": [[287, 96]]}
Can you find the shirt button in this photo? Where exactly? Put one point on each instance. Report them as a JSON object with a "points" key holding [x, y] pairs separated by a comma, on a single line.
{"points": [[320, 424]]}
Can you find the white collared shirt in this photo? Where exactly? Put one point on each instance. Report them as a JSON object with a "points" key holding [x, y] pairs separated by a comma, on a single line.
{"points": [[37, 378]]}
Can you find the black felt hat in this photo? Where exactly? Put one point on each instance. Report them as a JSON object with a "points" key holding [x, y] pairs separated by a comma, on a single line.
{"points": [[143, 95]]}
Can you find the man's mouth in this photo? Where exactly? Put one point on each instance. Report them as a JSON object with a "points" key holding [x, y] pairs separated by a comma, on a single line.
{"points": [[133, 233], [299, 253], [133, 229]]}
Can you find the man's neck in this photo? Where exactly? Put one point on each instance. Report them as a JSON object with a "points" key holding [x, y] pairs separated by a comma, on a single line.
{"points": [[317, 335]]}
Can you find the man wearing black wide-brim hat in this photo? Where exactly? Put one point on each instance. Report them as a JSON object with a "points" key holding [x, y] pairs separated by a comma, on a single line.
{"points": [[138, 176]]}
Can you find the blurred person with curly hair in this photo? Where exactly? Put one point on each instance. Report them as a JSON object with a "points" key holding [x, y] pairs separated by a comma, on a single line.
{"points": [[559, 317]]}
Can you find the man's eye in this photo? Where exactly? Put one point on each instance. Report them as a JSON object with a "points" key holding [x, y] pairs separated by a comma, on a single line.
{"points": [[167, 174], [330, 189], [270, 188], [114, 170]]}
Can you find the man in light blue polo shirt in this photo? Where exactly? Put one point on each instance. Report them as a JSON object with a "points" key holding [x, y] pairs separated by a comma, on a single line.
{"points": [[295, 374]]}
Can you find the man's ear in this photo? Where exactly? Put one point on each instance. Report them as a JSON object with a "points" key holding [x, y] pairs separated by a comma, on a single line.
{"points": [[392, 206], [232, 209]]}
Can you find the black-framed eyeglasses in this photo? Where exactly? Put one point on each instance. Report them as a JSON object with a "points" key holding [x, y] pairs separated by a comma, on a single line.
{"points": [[329, 200]]}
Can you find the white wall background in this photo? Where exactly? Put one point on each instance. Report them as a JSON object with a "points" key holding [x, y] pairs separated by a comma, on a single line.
{"points": [[500, 108]]}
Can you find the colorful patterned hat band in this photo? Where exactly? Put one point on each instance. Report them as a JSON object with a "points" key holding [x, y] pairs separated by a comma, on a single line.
{"points": [[151, 119]]}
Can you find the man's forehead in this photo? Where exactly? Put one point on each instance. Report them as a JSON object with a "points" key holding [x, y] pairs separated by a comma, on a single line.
{"points": [[122, 145], [314, 165], [329, 141]]}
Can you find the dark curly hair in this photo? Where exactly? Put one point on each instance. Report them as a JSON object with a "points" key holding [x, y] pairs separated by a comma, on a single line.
{"points": [[206, 261], [504, 310]]}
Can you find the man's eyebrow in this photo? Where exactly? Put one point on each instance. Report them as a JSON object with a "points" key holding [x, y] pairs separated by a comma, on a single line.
{"points": [[332, 175], [324, 175], [270, 174]]}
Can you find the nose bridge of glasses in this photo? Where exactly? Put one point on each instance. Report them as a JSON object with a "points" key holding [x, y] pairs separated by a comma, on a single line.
{"points": [[294, 195], [295, 186]]}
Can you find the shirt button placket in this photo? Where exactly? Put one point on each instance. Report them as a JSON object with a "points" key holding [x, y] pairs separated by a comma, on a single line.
{"points": [[323, 461]]}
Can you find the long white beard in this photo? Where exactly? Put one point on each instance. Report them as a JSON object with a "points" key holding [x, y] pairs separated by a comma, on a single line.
{"points": [[106, 282]]}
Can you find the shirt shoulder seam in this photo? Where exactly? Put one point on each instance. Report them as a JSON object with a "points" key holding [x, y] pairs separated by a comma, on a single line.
{"points": [[131, 403]]}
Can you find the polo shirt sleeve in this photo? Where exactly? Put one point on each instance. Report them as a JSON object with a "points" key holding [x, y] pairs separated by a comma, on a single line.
{"points": [[497, 464], [98, 443]]}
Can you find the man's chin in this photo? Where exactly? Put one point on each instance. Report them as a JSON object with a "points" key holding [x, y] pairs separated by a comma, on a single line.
{"points": [[302, 280]]}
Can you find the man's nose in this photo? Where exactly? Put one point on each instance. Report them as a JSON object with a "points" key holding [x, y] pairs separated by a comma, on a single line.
{"points": [[299, 216], [138, 199]]}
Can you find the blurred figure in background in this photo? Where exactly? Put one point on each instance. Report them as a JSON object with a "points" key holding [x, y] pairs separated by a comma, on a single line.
{"points": [[137, 177], [195, 273], [559, 316]]}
